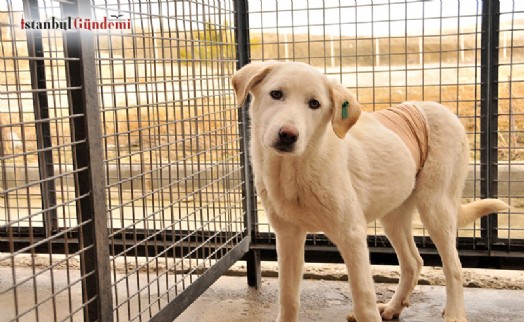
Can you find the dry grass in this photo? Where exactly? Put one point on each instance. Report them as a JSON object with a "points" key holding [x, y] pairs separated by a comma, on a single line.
{"points": [[171, 112], [182, 109], [185, 128], [141, 104]]}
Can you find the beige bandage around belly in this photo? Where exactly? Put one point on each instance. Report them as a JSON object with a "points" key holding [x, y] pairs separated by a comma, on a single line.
{"points": [[408, 122]]}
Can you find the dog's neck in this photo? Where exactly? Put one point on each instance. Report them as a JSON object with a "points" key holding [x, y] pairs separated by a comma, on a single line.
{"points": [[290, 176]]}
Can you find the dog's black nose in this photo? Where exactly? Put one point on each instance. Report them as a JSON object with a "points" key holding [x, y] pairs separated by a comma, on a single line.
{"points": [[287, 135]]}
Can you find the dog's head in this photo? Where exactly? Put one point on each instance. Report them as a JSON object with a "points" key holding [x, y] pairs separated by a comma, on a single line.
{"points": [[293, 102]]}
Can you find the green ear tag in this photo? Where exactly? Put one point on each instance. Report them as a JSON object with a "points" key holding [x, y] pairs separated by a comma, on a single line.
{"points": [[345, 106]]}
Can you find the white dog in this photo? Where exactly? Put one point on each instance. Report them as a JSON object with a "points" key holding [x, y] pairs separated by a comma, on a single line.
{"points": [[314, 177]]}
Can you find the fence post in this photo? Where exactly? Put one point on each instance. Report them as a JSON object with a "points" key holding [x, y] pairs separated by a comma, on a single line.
{"points": [[43, 128], [489, 113], [89, 160], [243, 57]]}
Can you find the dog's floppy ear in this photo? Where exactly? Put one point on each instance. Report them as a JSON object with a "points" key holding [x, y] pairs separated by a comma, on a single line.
{"points": [[346, 109], [248, 76]]}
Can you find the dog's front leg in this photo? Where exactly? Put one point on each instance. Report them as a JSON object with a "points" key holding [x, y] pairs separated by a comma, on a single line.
{"points": [[290, 252], [351, 240]]}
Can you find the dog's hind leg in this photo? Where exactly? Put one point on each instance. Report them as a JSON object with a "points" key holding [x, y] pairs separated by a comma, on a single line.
{"points": [[398, 228], [438, 196], [440, 219]]}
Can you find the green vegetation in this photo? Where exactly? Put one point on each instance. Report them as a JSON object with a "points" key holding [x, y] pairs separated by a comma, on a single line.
{"points": [[209, 44]]}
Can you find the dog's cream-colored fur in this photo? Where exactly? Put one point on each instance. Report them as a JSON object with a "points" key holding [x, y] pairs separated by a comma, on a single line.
{"points": [[343, 173]]}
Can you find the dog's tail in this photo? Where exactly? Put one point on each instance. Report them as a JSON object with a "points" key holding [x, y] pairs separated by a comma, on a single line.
{"points": [[479, 208]]}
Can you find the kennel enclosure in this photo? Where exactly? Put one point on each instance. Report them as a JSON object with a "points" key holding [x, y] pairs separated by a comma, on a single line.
{"points": [[124, 157]]}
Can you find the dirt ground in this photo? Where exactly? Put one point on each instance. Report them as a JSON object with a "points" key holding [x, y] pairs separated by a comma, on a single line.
{"points": [[473, 277]]}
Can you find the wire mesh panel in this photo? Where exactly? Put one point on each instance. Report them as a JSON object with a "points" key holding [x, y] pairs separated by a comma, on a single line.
{"points": [[388, 52], [169, 159], [44, 162], [511, 122], [172, 147]]}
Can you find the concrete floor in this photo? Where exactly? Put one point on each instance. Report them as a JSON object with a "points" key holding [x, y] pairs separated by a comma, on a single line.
{"points": [[229, 299]]}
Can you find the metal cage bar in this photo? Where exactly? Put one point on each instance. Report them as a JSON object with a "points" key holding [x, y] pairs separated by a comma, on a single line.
{"points": [[41, 109], [88, 159], [243, 58], [489, 113]]}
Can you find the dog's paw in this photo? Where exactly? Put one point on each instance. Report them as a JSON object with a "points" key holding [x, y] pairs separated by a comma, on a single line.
{"points": [[459, 317], [455, 319], [389, 312], [351, 317]]}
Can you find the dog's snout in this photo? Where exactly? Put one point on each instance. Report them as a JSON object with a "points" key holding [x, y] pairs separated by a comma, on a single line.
{"points": [[288, 135]]}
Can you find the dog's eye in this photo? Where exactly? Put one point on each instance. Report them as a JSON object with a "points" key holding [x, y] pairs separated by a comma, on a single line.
{"points": [[277, 94], [313, 104]]}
